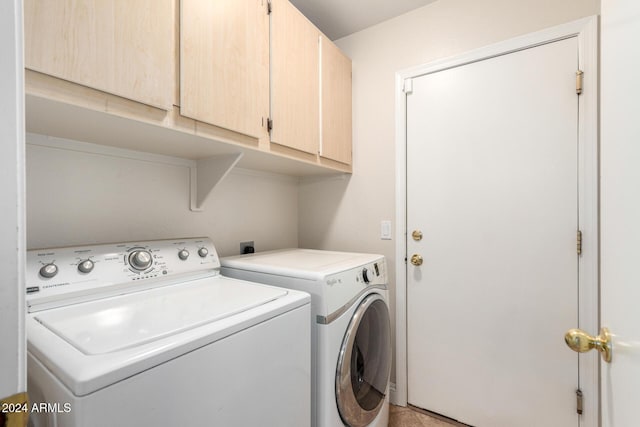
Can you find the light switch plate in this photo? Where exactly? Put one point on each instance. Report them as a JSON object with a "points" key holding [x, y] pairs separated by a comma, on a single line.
{"points": [[385, 230]]}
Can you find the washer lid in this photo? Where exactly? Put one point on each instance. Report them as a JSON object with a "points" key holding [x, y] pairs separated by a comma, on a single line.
{"points": [[125, 321]]}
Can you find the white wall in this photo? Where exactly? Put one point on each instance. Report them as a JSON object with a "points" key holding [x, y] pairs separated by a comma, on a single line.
{"points": [[12, 336], [76, 198], [345, 214]]}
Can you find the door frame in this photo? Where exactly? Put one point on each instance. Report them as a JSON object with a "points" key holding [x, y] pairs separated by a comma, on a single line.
{"points": [[12, 228], [586, 31]]}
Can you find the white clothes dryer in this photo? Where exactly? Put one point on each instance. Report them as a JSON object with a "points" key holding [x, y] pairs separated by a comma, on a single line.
{"points": [[351, 347], [150, 334]]}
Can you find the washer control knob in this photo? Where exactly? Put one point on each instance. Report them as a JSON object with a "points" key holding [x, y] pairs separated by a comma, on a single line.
{"points": [[49, 270], [140, 260], [183, 254], [203, 252], [365, 275], [86, 266]]}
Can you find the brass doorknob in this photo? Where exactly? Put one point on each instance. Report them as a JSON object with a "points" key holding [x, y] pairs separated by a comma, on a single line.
{"points": [[416, 259], [580, 341]]}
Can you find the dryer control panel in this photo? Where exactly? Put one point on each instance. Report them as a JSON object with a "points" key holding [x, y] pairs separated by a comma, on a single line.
{"points": [[347, 285], [62, 273]]}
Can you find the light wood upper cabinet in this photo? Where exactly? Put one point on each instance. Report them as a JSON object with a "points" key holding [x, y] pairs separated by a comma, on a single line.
{"points": [[224, 64], [310, 88], [122, 47], [295, 79], [336, 134], [190, 78]]}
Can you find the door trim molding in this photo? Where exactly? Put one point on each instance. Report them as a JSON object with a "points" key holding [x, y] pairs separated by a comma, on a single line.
{"points": [[586, 31]]}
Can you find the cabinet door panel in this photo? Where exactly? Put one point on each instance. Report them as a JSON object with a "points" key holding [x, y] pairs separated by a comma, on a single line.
{"points": [[122, 47], [224, 63], [336, 103], [294, 79]]}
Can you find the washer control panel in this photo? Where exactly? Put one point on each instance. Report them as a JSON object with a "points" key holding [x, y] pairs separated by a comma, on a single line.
{"points": [[59, 271]]}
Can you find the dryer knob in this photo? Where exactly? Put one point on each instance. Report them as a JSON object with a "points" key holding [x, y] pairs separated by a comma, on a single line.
{"points": [[183, 254], [203, 252], [365, 275]]}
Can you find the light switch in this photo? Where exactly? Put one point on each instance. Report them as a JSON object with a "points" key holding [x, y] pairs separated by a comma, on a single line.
{"points": [[385, 230]]}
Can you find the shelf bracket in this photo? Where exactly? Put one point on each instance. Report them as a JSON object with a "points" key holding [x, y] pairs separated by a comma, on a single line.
{"points": [[206, 174]]}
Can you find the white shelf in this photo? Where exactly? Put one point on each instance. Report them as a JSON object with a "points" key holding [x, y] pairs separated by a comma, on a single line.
{"points": [[47, 116], [163, 138]]}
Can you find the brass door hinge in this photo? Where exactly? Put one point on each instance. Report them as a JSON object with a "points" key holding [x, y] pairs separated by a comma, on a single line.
{"points": [[579, 242], [579, 75], [579, 401], [269, 7]]}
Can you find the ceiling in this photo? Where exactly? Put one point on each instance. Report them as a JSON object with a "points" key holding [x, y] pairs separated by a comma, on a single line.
{"points": [[339, 18]]}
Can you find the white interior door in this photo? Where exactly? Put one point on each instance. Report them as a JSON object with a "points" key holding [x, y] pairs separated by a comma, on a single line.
{"points": [[492, 183], [620, 145], [12, 232]]}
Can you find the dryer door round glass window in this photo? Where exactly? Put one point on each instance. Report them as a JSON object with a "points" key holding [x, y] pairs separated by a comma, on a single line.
{"points": [[364, 363]]}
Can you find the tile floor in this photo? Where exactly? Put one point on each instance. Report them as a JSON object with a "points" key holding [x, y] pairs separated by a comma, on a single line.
{"points": [[407, 417]]}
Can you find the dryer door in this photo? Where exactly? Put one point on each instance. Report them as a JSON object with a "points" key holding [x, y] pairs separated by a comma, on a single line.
{"points": [[364, 363]]}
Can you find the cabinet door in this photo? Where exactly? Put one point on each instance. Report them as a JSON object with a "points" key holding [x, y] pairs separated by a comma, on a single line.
{"points": [[295, 82], [122, 47], [336, 103], [224, 63]]}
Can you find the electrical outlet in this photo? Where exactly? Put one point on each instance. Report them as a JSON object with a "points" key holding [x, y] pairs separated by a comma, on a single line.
{"points": [[247, 247]]}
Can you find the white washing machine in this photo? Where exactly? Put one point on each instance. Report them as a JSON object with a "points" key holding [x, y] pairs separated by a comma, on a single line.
{"points": [[351, 347], [150, 334]]}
